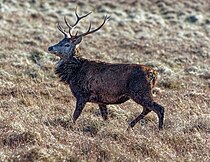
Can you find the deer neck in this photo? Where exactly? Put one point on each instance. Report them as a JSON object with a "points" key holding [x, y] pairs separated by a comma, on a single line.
{"points": [[68, 69]]}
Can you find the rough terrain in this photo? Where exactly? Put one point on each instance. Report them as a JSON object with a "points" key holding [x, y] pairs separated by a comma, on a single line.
{"points": [[173, 36]]}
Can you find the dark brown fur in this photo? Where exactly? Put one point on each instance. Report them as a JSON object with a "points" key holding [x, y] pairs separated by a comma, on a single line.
{"points": [[105, 83]]}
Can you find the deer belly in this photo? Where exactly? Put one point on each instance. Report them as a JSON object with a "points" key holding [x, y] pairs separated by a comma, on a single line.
{"points": [[108, 99], [107, 91]]}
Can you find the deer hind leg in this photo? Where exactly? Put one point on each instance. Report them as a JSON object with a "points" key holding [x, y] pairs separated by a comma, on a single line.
{"points": [[103, 110], [80, 104], [149, 105], [138, 118]]}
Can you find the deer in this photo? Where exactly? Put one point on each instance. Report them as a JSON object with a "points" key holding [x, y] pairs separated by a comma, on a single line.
{"points": [[103, 83]]}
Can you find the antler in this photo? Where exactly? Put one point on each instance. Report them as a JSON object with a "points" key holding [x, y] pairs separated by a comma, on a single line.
{"points": [[106, 18], [61, 29], [77, 21], [89, 31]]}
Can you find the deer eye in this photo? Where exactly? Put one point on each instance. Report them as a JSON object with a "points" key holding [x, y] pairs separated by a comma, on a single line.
{"points": [[67, 45]]}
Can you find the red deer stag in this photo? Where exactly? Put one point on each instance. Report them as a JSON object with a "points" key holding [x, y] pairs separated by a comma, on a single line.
{"points": [[103, 83]]}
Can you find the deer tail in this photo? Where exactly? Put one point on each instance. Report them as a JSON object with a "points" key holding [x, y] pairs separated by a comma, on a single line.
{"points": [[153, 76]]}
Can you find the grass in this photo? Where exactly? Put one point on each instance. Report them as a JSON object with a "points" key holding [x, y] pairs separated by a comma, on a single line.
{"points": [[36, 109]]}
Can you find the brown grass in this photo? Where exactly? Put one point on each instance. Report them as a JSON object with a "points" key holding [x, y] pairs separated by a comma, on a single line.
{"points": [[36, 109]]}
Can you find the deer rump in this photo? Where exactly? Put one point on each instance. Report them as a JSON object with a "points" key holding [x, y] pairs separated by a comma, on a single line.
{"points": [[105, 83]]}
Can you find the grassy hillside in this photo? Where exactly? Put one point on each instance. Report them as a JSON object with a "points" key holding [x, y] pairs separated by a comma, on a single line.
{"points": [[173, 36]]}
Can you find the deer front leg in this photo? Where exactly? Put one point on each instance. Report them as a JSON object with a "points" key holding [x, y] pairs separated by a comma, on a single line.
{"points": [[79, 107], [103, 110]]}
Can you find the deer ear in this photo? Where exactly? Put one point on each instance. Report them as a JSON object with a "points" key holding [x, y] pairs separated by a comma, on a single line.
{"points": [[78, 40]]}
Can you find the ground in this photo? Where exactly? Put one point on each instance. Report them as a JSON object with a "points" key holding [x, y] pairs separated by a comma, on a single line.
{"points": [[172, 36]]}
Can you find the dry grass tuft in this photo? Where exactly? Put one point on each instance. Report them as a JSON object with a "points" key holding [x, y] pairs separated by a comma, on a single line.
{"points": [[65, 123], [14, 140], [170, 83]]}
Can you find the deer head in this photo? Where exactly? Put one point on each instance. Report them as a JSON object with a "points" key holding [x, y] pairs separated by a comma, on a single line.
{"points": [[65, 49]]}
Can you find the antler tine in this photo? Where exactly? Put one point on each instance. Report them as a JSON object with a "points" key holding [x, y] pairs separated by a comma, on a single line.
{"points": [[77, 21], [79, 17], [61, 29], [106, 18], [70, 27]]}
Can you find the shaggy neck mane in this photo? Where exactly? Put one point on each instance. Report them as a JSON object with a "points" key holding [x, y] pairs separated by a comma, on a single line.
{"points": [[68, 69]]}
